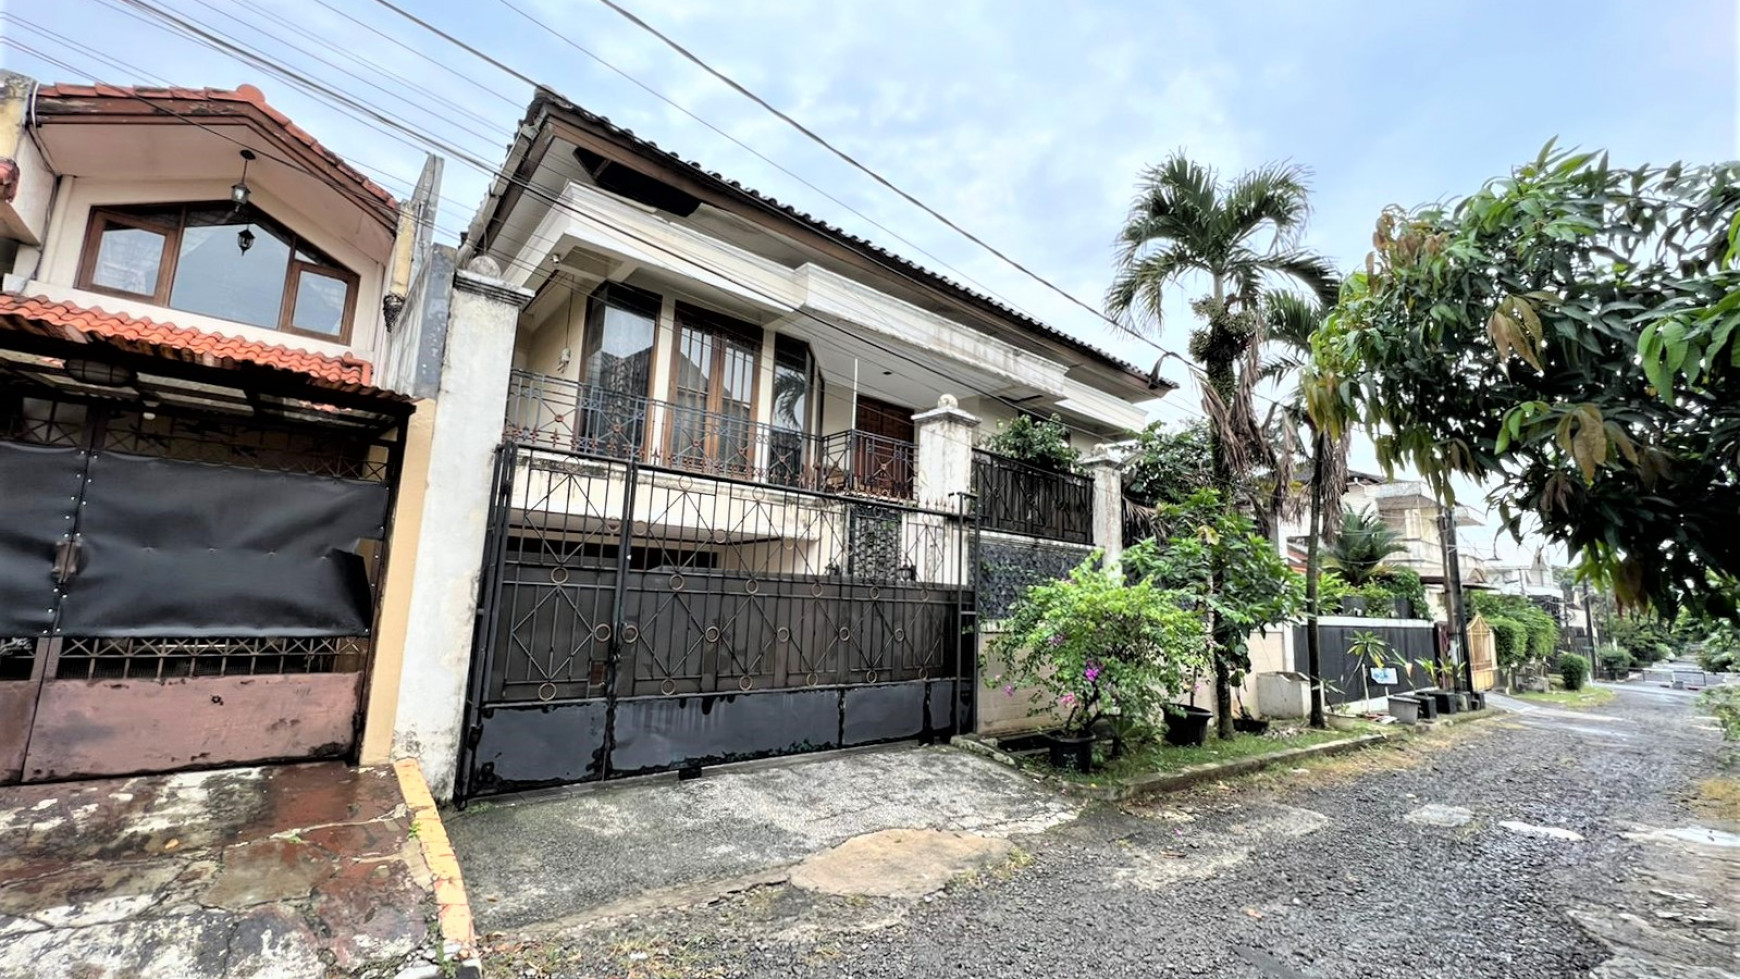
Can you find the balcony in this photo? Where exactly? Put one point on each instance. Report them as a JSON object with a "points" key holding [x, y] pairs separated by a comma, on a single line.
{"points": [[569, 416]]}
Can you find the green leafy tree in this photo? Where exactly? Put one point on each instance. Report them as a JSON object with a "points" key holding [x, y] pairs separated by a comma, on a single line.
{"points": [[1361, 546], [1214, 553], [1035, 441], [1240, 236], [1090, 644], [1568, 335], [1168, 464]]}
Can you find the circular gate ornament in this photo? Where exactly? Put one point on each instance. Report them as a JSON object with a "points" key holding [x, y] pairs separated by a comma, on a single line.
{"points": [[712, 634], [810, 679], [630, 633], [869, 676], [745, 683], [845, 633], [751, 587], [601, 633], [668, 687], [559, 575], [546, 691], [782, 634], [676, 582]]}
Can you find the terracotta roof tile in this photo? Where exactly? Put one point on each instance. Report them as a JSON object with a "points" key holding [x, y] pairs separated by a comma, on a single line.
{"points": [[245, 94], [66, 321]]}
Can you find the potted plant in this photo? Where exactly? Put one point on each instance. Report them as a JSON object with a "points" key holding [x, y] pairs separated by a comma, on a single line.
{"points": [[1404, 708], [1246, 722], [1090, 646]]}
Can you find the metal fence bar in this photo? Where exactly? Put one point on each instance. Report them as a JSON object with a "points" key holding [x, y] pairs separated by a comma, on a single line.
{"points": [[1018, 498]]}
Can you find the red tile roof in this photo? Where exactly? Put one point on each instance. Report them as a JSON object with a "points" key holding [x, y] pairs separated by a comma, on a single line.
{"points": [[242, 97], [65, 321]]}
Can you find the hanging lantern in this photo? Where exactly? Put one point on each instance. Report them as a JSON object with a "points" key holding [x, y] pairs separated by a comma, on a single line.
{"points": [[239, 193], [245, 240]]}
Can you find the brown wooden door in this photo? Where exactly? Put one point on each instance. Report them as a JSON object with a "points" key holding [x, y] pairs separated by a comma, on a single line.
{"points": [[882, 449]]}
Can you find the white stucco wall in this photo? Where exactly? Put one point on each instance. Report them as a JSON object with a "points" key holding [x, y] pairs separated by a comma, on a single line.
{"points": [[468, 418]]}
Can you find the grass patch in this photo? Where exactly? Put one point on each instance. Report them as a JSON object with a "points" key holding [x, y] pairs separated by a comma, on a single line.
{"points": [[1718, 798], [1156, 757], [1577, 699]]}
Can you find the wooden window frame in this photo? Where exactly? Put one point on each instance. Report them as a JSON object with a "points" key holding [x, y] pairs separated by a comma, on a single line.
{"points": [[719, 329], [101, 218]]}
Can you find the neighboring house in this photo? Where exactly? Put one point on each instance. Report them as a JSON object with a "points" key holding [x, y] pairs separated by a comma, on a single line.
{"points": [[1409, 508], [729, 510], [199, 458]]}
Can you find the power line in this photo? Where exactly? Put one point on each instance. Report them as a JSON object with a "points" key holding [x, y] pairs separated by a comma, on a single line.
{"points": [[853, 162], [461, 155]]}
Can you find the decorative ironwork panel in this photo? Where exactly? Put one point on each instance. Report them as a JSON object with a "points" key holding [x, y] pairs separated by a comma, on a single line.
{"points": [[1008, 566], [170, 658], [1017, 498]]}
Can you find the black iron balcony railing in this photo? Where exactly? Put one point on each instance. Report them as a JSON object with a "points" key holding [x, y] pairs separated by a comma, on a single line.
{"points": [[557, 413], [1022, 499]]}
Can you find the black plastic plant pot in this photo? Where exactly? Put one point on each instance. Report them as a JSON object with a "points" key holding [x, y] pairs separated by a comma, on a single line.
{"points": [[1477, 700], [1444, 701], [1250, 725], [1428, 704], [1186, 726], [1072, 752]]}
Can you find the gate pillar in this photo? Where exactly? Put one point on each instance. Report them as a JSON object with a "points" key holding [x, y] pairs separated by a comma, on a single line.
{"points": [[442, 535], [1108, 503]]}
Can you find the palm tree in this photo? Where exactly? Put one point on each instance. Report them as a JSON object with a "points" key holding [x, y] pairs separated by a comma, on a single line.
{"points": [[1361, 546], [1292, 322], [1185, 224]]}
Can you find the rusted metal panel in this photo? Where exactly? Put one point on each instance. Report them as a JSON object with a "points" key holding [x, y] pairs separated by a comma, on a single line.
{"points": [[17, 710], [118, 727]]}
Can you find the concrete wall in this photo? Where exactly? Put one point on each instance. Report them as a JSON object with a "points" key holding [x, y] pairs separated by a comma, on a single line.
{"points": [[442, 595]]}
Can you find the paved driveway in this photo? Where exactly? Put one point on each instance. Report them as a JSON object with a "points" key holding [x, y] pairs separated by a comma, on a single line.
{"points": [[296, 871], [1544, 844], [586, 852]]}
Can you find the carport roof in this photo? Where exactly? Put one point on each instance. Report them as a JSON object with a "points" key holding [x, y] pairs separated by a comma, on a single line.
{"points": [[61, 320]]}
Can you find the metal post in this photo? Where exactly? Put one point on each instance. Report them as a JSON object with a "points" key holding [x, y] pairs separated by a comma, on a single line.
{"points": [[1454, 605]]}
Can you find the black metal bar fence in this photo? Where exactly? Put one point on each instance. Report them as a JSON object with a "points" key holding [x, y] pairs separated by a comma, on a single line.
{"points": [[1018, 498]]}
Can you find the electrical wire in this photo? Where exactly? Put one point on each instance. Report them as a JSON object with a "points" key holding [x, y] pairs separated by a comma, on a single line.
{"points": [[463, 156]]}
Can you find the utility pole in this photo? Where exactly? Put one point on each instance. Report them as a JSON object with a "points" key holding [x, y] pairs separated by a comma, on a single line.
{"points": [[1453, 604]]}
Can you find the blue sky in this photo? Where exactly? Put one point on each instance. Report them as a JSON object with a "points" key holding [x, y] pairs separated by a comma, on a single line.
{"points": [[1024, 121]]}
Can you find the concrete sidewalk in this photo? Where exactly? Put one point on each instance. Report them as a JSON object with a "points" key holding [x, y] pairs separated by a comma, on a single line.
{"points": [[296, 871], [591, 852]]}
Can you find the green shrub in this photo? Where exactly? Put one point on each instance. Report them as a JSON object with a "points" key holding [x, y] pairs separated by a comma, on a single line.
{"points": [[1509, 640], [1574, 670], [1035, 442], [1724, 704], [1615, 660], [1540, 632]]}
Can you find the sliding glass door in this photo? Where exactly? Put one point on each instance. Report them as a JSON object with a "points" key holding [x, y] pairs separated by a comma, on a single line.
{"points": [[713, 393]]}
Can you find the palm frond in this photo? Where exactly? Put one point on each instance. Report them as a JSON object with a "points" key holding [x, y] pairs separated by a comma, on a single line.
{"points": [[1310, 270], [1272, 196]]}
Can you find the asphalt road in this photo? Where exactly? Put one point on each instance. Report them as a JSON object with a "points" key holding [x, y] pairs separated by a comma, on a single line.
{"points": [[1396, 861]]}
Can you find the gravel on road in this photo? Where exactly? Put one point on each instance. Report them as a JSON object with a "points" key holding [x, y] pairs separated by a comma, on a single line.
{"points": [[1518, 846]]}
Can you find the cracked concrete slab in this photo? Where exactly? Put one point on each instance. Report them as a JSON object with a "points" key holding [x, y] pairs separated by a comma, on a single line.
{"points": [[905, 863], [259, 873], [569, 854]]}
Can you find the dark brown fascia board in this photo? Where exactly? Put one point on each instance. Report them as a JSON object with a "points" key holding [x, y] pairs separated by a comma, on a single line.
{"points": [[263, 379], [108, 110], [549, 115]]}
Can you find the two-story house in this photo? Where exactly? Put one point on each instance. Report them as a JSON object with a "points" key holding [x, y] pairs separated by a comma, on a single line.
{"points": [[197, 464], [738, 507]]}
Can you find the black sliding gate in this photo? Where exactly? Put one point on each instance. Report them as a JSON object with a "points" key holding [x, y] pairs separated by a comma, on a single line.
{"points": [[636, 618]]}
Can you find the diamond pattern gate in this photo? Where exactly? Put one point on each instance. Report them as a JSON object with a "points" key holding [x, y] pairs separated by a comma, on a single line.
{"points": [[636, 618]]}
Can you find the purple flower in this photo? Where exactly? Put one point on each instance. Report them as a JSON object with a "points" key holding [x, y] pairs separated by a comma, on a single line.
{"points": [[1067, 700], [1009, 689], [1092, 673], [1058, 639]]}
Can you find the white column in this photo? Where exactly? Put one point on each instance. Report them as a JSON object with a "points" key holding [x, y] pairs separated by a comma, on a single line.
{"points": [[943, 463], [1108, 503], [469, 411]]}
